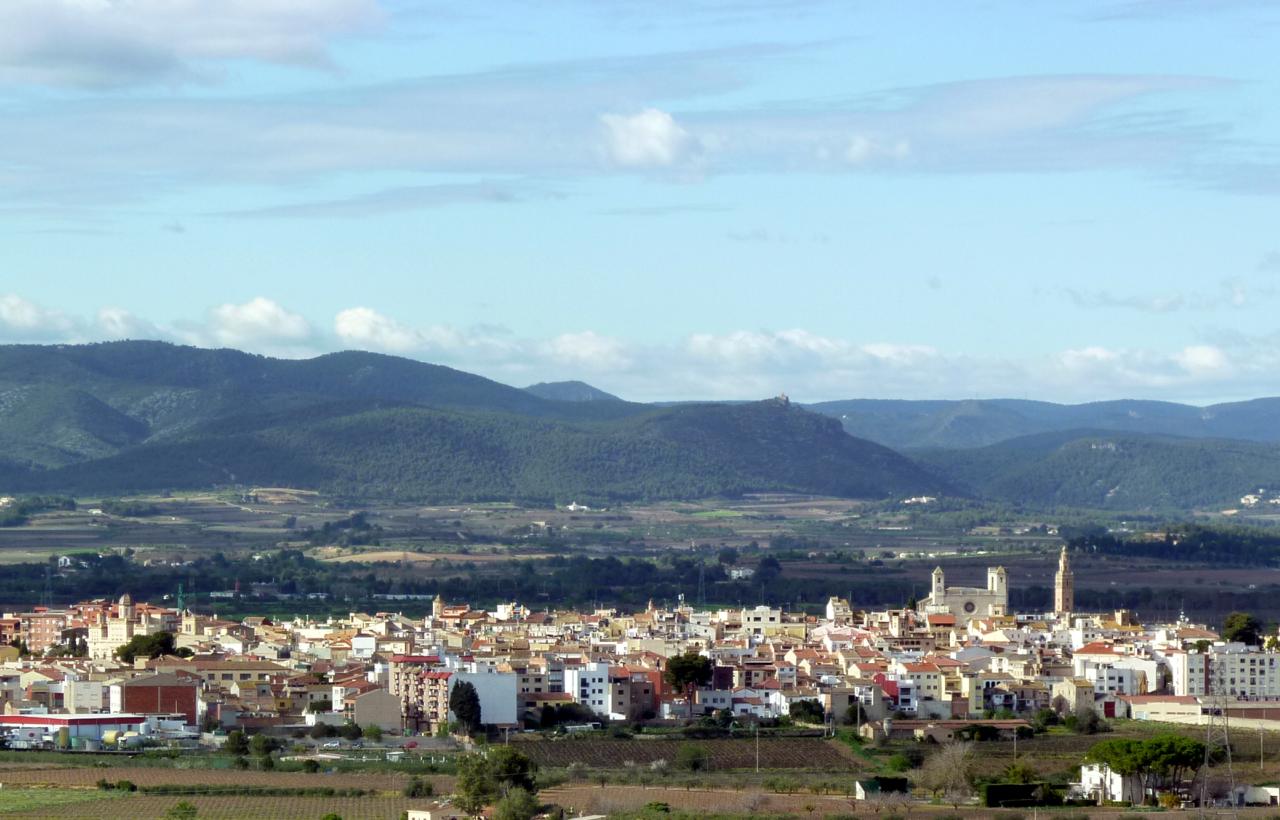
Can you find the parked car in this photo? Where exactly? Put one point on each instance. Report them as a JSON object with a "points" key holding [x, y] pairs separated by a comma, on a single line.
{"points": [[333, 744]]}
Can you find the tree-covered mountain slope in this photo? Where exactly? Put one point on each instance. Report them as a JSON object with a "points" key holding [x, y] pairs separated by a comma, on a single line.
{"points": [[1085, 468], [149, 416], [976, 423]]}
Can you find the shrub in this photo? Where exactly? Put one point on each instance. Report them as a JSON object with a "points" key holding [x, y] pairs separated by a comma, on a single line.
{"points": [[692, 757], [311, 766], [417, 787], [126, 786], [181, 811]]}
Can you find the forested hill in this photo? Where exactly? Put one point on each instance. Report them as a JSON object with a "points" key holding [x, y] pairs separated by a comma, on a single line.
{"points": [[976, 423], [1125, 471], [569, 391], [147, 416]]}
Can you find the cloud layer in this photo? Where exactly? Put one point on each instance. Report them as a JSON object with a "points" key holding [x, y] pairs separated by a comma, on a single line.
{"points": [[736, 365], [115, 43]]}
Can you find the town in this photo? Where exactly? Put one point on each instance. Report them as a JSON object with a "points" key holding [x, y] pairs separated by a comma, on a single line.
{"points": [[123, 676]]}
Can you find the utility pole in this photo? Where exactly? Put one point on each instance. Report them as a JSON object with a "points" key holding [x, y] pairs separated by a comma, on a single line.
{"points": [[757, 745]]}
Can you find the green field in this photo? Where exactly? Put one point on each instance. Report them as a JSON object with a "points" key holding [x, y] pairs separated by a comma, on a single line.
{"points": [[35, 800]]}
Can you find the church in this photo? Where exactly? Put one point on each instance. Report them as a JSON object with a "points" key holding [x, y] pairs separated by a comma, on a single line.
{"points": [[967, 603]]}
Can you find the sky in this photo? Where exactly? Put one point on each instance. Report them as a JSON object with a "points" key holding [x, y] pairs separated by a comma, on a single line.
{"points": [[669, 199]]}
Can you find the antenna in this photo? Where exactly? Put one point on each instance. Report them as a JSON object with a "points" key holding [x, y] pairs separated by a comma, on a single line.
{"points": [[1217, 730]]}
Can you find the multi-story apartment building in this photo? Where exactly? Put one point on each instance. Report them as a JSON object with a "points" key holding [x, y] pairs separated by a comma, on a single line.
{"points": [[42, 628], [1231, 670]]}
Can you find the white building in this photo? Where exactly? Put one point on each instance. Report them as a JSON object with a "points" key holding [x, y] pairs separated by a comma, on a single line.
{"points": [[1228, 669], [497, 693], [1098, 782], [967, 603], [588, 683]]}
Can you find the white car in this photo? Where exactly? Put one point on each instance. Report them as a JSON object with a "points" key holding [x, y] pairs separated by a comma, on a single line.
{"points": [[333, 744]]}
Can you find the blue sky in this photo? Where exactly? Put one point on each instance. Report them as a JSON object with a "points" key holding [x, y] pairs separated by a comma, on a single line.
{"points": [[671, 200]]}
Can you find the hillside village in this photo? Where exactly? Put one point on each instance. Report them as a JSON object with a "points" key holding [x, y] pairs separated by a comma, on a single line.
{"points": [[959, 660]]}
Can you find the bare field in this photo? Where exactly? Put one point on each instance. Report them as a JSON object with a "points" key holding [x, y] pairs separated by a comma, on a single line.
{"points": [[87, 777], [775, 753], [393, 556], [229, 807]]}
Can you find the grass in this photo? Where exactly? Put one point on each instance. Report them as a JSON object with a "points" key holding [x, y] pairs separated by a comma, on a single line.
{"points": [[26, 800]]}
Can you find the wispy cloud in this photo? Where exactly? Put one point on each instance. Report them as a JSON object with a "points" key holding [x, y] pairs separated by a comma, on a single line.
{"points": [[393, 200], [731, 365], [115, 43], [579, 118]]}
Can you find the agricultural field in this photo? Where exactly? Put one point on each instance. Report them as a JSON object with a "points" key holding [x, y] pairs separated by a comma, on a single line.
{"points": [[221, 807], [87, 777], [52, 802], [775, 753]]}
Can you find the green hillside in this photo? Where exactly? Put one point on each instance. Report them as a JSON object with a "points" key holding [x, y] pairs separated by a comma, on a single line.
{"points": [[1109, 470], [569, 391], [146, 416], [980, 422]]}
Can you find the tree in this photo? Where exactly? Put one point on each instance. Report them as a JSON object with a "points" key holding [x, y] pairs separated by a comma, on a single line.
{"points": [[236, 743], [1019, 772], [350, 731], [518, 805], [311, 766], [464, 702], [373, 732], [855, 714], [262, 745], [512, 769], [686, 671], [1242, 627], [808, 711], [727, 556], [147, 646], [1160, 762], [949, 771], [417, 787]]}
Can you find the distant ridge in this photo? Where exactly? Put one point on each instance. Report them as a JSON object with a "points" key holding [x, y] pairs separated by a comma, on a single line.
{"points": [[905, 424], [128, 416], [569, 391]]}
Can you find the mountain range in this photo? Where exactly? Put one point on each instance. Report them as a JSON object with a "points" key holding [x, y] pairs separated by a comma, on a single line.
{"points": [[135, 416], [980, 422], [118, 417]]}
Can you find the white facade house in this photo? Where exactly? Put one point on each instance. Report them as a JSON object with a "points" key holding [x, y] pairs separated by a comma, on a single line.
{"points": [[1098, 782], [589, 685]]}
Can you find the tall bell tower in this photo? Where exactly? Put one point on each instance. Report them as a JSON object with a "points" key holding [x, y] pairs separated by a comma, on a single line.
{"points": [[1063, 586]]}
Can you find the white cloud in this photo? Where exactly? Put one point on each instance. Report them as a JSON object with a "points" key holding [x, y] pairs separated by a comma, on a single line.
{"points": [[587, 350], [365, 327], [863, 149], [741, 364], [125, 42], [259, 321], [21, 320], [118, 323], [649, 139], [1203, 360]]}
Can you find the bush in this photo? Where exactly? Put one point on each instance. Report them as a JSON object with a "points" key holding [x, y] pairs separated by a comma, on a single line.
{"points": [[692, 757], [417, 787], [311, 766], [126, 786], [181, 811], [518, 805]]}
